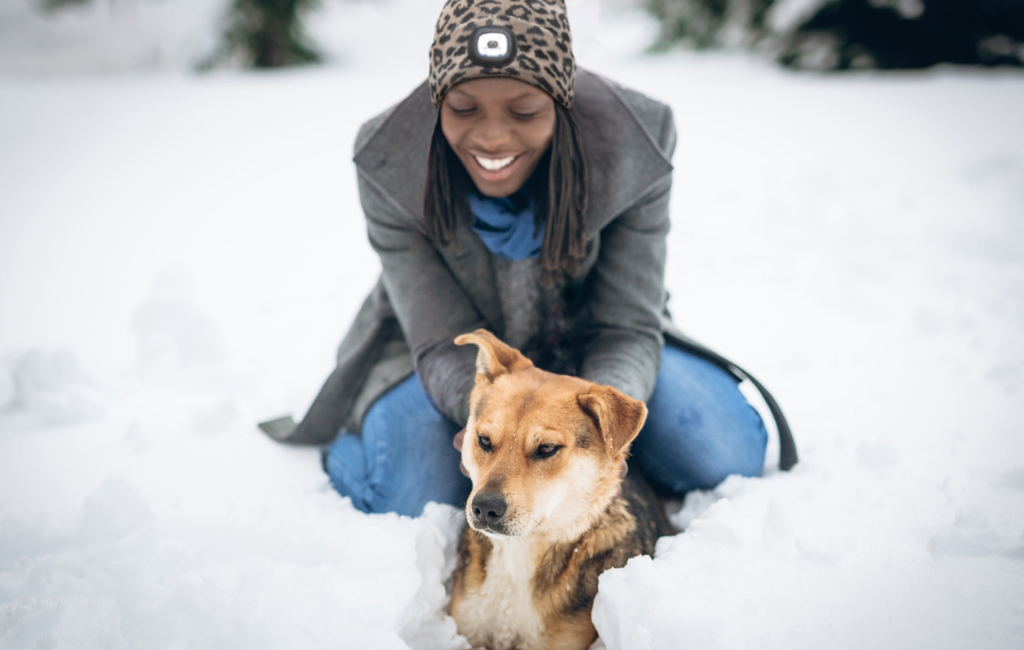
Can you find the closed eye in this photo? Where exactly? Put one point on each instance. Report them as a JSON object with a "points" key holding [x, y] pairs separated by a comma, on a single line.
{"points": [[485, 443], [546, 451]]}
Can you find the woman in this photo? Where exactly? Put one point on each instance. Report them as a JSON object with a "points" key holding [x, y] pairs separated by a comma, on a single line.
{"points": [[515, 193]]}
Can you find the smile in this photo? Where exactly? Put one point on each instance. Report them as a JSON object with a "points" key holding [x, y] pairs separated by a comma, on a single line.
{"points": [[494, 164]]}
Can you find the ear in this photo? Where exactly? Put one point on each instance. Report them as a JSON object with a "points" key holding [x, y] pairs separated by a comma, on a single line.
{"points": [[618, 417], [494, 358]]}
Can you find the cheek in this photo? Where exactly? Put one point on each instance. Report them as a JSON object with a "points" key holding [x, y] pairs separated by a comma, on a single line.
{"points": [[539, 135], [570, 492], [452, 129], [469, 461]]}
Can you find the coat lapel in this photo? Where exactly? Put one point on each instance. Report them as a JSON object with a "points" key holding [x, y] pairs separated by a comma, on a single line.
{"points": [[623, 160], [473, 266], [395, 155]]}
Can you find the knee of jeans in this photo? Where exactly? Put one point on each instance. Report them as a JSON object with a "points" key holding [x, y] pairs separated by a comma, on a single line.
{"points": [[343, 462], [712, 472], [704, 466], [407, 497], [372, 493], [741, 459], [365, 497]]}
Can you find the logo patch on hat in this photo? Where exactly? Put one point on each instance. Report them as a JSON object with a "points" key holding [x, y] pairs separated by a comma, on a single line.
{"points": [[492, 46]]}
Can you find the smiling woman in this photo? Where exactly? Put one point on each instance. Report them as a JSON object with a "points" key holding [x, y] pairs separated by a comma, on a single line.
{"points": [[499, 128], [515, 193]]}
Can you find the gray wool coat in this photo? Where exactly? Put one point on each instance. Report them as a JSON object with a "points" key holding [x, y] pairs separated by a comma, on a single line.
{"points": [[427, 296]]}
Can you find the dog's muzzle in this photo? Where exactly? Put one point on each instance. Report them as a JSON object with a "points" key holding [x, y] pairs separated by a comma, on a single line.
{"points": [[489, 510]]}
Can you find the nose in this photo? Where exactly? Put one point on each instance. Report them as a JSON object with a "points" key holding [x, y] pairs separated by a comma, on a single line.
{"points": [[493, 136], [489, 507]]}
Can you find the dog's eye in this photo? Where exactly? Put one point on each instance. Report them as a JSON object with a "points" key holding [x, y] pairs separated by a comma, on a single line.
{"points": [[546, 451], [485, 443]]}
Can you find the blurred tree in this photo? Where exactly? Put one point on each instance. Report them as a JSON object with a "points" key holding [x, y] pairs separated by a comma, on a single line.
{"points": [[705, 24], [266, 34], [52, 5], [844, 34], [908, 34]]}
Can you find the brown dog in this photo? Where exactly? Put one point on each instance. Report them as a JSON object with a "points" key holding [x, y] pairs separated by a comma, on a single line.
{"points": [[549, 511]]}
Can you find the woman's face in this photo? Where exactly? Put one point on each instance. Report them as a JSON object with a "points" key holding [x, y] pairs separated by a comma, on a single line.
{"points": [[499, 128]]}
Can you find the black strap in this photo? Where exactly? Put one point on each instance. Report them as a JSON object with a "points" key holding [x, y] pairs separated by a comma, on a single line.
{"points": [[787, 446]]}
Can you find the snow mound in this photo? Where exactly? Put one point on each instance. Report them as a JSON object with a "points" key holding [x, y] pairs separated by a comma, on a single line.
{"points": [[119, 577], [49, 388], [178, 343]]}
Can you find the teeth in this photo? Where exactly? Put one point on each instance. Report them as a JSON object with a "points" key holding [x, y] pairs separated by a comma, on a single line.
{"points": [[494, 164]]}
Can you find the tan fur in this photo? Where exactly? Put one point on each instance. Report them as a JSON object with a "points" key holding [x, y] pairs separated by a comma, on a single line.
{"points": [[529, 585]]}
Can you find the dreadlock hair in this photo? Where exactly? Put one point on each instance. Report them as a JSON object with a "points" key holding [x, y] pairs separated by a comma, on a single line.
{"points": [[560, 195]]}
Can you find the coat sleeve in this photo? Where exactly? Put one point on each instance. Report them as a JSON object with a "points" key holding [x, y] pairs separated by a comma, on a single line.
{"points": [[626, 294], [431, 306]]}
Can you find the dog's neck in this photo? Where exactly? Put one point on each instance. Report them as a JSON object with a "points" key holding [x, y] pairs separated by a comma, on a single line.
{"points": [[517, 573], [516, 592]]}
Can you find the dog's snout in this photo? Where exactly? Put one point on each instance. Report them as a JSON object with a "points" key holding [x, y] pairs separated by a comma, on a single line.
{"points": [[489, 507]]}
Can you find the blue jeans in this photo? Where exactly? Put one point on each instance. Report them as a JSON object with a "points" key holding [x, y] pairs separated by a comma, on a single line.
{"points": [[699, 430]]}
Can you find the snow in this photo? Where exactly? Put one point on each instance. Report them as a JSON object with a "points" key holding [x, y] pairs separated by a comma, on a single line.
{"points": [[180, 255]]}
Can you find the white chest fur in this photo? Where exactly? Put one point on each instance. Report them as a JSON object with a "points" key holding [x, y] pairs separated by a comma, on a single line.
{"points": [[499, 614]]}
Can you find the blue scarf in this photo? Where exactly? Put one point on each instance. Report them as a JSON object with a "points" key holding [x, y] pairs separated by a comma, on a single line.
{"points": [[505, 232]]}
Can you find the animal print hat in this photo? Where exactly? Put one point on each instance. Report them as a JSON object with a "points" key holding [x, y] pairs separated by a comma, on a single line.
{"points": [[527, 40]]}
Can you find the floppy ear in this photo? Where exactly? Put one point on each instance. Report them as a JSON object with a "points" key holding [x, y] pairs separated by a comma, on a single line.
{"points": [[494, 358], [617, 416]]}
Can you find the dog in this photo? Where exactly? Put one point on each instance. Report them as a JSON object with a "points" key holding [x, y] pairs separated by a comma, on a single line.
{"points": [[549, 510]]}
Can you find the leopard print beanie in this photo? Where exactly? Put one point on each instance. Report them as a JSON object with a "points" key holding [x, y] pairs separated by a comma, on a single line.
{"points": [[527, 40]]}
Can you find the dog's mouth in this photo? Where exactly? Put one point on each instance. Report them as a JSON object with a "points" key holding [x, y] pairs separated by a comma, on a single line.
{"points": [[488, 511], [492, 517], [494, 532], [491, 529]]}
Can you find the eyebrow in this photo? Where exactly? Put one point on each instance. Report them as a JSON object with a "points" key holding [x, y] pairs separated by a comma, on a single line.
{"points": [[526, 94]]}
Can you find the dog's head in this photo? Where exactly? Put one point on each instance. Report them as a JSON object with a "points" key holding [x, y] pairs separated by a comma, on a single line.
{"points": [[544, 451]]}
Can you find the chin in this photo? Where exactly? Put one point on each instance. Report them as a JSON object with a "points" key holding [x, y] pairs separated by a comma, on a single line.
{"points": [[498, 190]]}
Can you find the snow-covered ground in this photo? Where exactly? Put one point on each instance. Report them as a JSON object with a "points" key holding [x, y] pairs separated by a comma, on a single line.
{"points": [[180, 254]]}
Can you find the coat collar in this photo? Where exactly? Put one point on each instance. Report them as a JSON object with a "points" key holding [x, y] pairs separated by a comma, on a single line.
{"points": [[623, 160]]}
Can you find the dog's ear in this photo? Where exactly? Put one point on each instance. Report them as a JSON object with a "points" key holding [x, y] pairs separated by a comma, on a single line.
{"points": [[494, 358], [617, 416]]}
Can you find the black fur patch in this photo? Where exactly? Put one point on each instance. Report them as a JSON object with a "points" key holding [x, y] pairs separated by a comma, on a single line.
{"points": [[584, 435], [586, 581], [647, 508], [479, 407], [552, 567]]}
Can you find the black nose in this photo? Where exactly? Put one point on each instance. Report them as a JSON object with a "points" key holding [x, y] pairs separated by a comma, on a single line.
{"points": [[489, 507]]}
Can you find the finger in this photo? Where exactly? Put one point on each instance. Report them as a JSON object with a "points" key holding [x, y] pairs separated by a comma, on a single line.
{"points": [[457, 440], [624, 469]]}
